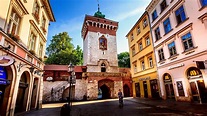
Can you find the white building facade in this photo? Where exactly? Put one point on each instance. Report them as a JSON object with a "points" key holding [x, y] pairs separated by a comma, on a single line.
{"points": [[179, 35]]}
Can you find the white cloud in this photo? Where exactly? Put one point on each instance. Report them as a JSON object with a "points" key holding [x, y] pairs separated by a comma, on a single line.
{"points": [[69, 26], [126, 15]]}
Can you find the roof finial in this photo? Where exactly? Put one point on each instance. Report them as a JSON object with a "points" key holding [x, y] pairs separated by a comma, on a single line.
{"points": [[98, 6], [98, 13]]}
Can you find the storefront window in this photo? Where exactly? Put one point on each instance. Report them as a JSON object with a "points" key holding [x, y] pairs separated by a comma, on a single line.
{"points": [[180, 88]]}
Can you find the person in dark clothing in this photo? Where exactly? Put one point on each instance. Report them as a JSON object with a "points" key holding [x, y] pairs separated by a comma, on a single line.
{"points": [[120, 96]]}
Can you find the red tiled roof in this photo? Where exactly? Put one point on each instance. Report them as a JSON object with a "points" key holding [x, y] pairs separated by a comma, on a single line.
{"points": [[62, 68]]}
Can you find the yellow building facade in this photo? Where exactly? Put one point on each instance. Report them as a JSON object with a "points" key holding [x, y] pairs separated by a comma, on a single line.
{"points": [[142, 60]]}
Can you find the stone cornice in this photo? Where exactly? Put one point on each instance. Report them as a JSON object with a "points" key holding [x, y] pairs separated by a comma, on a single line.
{"points": [[48, 9]]}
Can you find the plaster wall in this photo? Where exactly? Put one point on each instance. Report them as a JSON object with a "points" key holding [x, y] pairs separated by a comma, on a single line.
{"points": [[80, 88], [93, 54]]}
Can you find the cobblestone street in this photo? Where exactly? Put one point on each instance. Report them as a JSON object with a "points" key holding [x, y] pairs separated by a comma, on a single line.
{"points": [[132, 107]]}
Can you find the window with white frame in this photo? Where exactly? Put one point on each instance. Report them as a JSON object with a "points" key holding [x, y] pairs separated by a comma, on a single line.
{"points": [[150, 62], [32, 41], [161, 54], [157, 33], [145, 23], [14, 23], [163, 5], [172, 48], [147, 41], [36, 11], [138, 30], [132, 37], [135, 68], [140, 46], [40, 50], [133, 51], [154, 15], [43, 26], [142, 65], [167, 26], [187, 41], [180, 15]]}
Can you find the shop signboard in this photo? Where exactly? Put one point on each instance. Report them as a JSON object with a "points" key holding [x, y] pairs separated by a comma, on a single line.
{"points": [[3, 76], [6, 60]]}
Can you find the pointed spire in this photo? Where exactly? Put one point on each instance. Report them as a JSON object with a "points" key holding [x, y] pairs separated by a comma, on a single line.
{"points": [[98, 13], [98, 6]]}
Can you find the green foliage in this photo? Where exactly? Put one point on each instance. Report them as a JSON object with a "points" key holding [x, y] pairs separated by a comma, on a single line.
{"points": [[61, 51], [124, 60]]}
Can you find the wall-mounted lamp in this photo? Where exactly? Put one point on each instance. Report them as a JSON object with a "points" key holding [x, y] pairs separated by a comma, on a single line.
{"points": [[38, 72], [31, 69], [6, 48], [20, 65]]}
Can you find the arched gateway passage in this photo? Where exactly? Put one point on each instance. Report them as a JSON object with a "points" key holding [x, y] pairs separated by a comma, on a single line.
{"points": [[106, 87], [105, 92], [22, 93]]}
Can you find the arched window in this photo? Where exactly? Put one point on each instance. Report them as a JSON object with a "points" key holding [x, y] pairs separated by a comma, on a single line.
{"points": [[102, 43], [167, 77], [193, 71], [103, 67]]}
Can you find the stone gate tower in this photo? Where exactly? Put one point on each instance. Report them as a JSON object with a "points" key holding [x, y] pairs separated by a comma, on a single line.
{"points": [[103, 78], [99, 43]]}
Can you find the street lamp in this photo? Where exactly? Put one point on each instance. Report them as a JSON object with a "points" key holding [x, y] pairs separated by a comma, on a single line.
{"points": [[71, 71]]}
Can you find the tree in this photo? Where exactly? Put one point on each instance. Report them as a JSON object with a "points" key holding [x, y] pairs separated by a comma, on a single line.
{"points": [[61, 51], [124, 60]]}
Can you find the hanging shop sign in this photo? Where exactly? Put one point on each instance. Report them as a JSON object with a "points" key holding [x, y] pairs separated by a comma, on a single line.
{"points": [[144, 79], [6, 60], [176, 66], [3, 76]]}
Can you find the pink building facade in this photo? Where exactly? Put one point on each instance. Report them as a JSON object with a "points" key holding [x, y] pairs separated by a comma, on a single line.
{"points": [[179, 30]]}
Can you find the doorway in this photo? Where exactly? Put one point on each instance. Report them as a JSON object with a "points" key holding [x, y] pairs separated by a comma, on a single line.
{"points": [[105, 92], [198, 91], [197, 85], [34, 94], [145, 89], [137, 89], [168, 86], [154, 88], [22, 94], [126, 91], [169, 91]]}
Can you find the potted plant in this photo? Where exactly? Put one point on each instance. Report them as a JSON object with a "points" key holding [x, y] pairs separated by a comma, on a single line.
{"points": [[32, 52]]}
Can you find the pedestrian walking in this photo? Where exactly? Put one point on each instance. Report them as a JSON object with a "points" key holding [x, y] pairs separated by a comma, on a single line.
{"points": [[120, 96]]}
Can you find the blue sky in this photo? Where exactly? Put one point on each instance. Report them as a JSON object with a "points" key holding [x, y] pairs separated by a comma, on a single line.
{"points": [[70, 14]]}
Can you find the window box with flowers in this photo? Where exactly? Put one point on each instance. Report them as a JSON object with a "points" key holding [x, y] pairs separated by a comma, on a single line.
{"points": [[32, 52], [40, 59], [14, 37]]}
